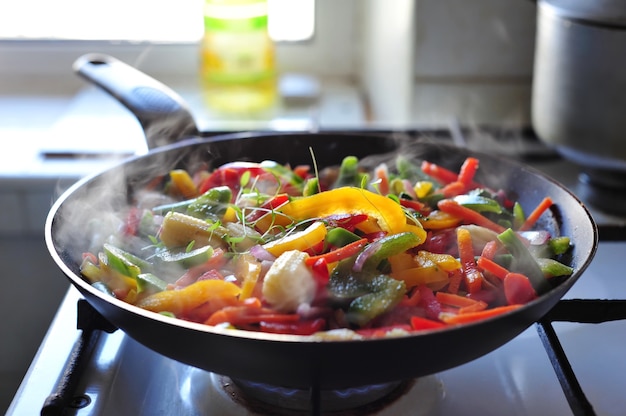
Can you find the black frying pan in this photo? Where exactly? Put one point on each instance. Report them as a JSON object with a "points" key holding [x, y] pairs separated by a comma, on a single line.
{"points": [[295, 361]]}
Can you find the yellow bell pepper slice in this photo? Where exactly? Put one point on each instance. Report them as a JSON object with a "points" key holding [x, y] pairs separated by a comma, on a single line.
{"points": [[184, 183], [346, 200], [439, 220], [247, 270], [301, 240], [183, 300]]}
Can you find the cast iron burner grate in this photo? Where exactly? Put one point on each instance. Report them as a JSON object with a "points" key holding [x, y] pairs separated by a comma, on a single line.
{"points": [[585, 311]]}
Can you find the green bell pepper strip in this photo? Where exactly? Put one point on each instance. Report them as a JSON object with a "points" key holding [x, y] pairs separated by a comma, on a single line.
{"points": [[213, 202], [186, 259], [523, 261], [150, 282], [339, 237], [349, 174], [124, 262], [554, 268], [518, 215], [559, 245], [311, 187], [479, 203], [381, 249], [384, 294], [369, 293]]}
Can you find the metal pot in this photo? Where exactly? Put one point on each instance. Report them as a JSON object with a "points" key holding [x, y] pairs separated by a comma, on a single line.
{"points": [[579, 87]]}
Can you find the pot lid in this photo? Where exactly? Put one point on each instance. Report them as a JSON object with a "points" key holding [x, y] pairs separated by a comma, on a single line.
{"points": [[599, 12]]}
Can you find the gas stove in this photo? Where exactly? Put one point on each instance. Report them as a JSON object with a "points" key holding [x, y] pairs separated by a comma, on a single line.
{"points": [[571, 362]]}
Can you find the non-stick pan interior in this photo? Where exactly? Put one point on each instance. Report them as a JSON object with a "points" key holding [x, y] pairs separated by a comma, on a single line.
{"points": [[296, 361]]}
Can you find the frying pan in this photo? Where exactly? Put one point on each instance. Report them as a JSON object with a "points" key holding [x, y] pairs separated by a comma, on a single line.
{"points": [[285, 360]]}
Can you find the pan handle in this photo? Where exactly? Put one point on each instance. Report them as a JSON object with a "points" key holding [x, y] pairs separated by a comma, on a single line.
{"points": [[162, 113]]}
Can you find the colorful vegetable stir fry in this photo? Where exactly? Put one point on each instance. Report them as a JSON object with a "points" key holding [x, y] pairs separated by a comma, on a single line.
{"points": [[342, 253]]}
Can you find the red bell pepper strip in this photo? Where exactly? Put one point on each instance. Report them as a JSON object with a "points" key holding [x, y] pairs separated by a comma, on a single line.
{"points": [[131, 224], [411, 299], [419, 323], [518, 289], [531, 220], [469, 215], [443, 175], [340, 253], [269, 205], [230, 175], [414, 205], [473, 278], [429, 302], [320, 271], [347, 221], [248, 314]]}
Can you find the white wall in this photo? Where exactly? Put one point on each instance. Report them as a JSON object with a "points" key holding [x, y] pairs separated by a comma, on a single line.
{"points": [[472, 60]]}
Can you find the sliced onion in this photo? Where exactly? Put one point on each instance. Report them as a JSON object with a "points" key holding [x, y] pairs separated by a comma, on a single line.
{"points": [[262, 254], [536, 238], [367, 252]]}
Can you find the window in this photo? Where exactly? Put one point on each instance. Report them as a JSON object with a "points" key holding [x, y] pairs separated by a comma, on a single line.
{"points": [[166, 21]]}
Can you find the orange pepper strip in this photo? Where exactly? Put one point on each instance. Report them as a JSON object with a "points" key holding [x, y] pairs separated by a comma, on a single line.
{"points": [[339, 254], [473, 276], [490, 249], [440, 173], [248, 314], [184, 300], [537, 212], [452, 207], [443, 175], [467, 172], [456, 277], [492, 267], [476, 307], [477, 316], [453, 189], [454, 300]]}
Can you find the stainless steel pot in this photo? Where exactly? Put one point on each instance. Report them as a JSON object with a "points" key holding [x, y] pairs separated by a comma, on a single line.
{"points": [[579, 86]]}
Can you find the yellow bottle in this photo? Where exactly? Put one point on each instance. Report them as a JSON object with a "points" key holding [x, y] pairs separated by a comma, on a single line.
{"points": [[237, 60]]}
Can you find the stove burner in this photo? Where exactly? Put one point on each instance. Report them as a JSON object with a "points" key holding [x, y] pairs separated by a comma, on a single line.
{"points": [[239, 397], [605, 189], [331, 400]]}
